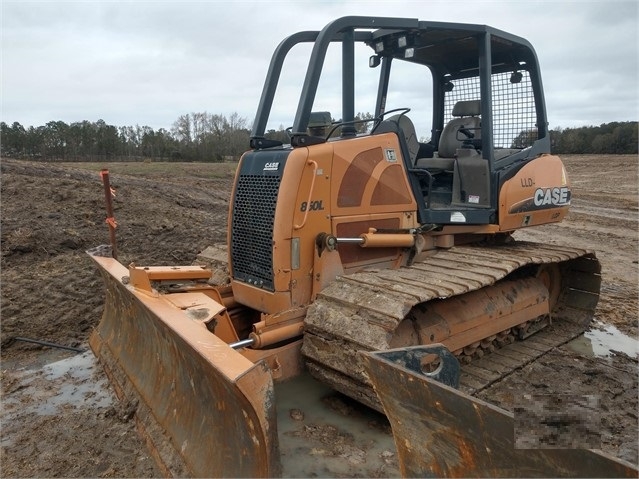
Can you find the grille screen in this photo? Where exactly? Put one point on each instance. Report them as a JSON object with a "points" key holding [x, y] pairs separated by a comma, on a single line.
{"points": [[252, 229], [514, 114]]}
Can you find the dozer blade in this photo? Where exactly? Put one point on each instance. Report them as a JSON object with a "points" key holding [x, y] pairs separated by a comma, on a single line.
{"points": [[442, 432], [204, 409]]}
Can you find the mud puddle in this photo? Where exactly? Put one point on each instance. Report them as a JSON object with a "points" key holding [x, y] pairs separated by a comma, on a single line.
{"points": [[60, 414], [325, 434], [53, 388], [603, 341]]}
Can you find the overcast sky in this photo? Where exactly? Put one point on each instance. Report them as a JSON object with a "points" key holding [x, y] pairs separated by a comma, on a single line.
{"points": [[148, 62]]}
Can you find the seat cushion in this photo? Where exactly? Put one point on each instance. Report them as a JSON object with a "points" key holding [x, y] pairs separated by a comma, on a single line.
{"points": [[435, 165]]}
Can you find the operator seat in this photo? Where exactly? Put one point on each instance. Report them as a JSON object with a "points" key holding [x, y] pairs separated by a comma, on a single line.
{"points": [[466, 115], [451, 141], [459, 143]]}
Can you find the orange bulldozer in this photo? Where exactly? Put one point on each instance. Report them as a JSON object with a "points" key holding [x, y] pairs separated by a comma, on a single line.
{"points": [[355, 236]]}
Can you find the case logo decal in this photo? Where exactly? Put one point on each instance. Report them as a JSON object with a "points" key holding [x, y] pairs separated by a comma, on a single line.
{"points": [[552, 196], [542, 199]]}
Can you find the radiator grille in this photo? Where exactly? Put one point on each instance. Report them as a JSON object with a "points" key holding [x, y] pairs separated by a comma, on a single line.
{"points": [[252, 229]]}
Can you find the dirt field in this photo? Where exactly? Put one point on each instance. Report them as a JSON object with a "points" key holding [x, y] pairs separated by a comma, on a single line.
{"points": [[167, 213]]}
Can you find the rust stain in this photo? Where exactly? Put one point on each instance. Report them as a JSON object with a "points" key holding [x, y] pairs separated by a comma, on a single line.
{"points": [[468, 454]]}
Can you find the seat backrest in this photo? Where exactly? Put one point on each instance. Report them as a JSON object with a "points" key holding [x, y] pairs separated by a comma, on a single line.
{"points": [[407, 127], [467, 116]]}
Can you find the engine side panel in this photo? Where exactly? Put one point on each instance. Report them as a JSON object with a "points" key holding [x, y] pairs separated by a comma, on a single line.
{"points": [[284, 198]]}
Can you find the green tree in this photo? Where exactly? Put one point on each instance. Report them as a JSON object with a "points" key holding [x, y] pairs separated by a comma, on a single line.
{"points": [[55, 137], [607, 138], [525, 138], [13, 139]]}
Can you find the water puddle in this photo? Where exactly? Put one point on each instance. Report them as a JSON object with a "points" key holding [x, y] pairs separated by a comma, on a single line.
{"points": [[64, 384], [325, 434], [602, 340]]}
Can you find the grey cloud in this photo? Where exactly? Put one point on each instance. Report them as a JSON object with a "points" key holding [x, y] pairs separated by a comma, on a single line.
{"points": [[149, 62]]}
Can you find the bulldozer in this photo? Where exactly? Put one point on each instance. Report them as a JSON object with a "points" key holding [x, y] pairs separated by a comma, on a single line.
{"points": [[356, 235]]}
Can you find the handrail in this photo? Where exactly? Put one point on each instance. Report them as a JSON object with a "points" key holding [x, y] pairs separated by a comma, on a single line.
{"points": [[310, 194]]}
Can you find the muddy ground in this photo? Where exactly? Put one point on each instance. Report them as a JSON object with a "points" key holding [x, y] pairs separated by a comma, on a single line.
{"points": [[167, 214]]}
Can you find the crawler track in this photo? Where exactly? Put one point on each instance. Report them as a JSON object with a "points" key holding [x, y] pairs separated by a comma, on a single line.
{"points": [[363, 311]]}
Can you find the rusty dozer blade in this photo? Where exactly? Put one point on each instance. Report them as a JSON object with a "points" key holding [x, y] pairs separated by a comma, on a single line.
{"points": [[442, 432], [203, 408]]}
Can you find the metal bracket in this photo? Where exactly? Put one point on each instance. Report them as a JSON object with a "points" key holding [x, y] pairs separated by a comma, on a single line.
{"points": [[412, 358]]}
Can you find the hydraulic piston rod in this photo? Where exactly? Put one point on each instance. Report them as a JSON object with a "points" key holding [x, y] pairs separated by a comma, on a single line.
{"points": [[373, 239]]}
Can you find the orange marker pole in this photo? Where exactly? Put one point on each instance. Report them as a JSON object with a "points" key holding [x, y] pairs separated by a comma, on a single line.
{"points": [[109, 207]]}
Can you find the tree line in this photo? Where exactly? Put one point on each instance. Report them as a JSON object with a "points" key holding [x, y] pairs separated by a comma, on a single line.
{"points": [[214, 137], [193, 137], [607, 138]]}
